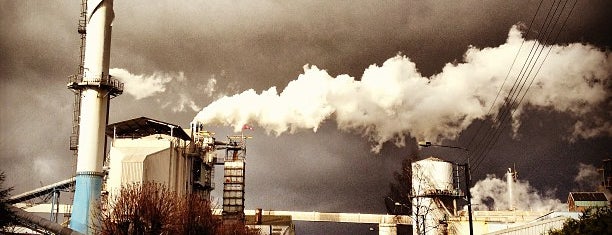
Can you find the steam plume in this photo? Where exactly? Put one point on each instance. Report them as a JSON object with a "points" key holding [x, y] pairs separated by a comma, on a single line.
{"points": [[142, 86], [491, 193], [588, 177], [394, 99]]}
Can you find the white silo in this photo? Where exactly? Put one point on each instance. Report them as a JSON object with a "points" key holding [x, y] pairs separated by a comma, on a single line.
{"points": [[432, 180], [432, 176]]}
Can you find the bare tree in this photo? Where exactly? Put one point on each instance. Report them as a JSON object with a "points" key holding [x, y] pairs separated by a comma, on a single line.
{"points": [[426, 204], [147, 208], [398, 200], [151, 208], [236, 228], [196, 215]]}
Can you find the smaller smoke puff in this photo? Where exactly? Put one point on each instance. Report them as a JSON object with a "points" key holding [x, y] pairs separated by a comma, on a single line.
{"points": [[183, 103], [492, 194], [143, 86], [169, 85], [210, 87], [588, 178]]}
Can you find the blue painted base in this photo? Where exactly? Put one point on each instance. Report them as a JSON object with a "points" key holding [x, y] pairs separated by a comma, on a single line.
{"points": [[86, 197]]}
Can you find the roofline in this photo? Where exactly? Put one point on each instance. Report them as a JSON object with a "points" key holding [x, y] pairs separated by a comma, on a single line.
{"points": [[179, 132]]}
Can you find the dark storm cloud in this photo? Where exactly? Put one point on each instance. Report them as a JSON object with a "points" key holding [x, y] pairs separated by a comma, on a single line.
{"points": [[266, 43], [38, 53], [272, 40]]}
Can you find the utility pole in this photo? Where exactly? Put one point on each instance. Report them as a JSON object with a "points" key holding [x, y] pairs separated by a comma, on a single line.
{"points": [[468, 184]]}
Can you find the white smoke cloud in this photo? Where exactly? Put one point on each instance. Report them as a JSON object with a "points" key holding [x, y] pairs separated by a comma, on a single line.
{"points": [[394, 99], [588, 177], [491, 193], [142, 86]]}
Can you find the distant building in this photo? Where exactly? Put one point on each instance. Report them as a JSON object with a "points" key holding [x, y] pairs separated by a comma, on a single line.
{"points": [[581, 201]]}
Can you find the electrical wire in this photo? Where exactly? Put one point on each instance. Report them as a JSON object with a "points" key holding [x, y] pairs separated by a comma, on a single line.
{"points": [[515, 103], [518, 91], [469, 145], [541, 64], [519, 84], [489, 136]]}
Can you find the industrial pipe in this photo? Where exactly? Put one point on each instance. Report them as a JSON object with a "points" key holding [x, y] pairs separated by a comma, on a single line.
{"points": [[29, 218]]}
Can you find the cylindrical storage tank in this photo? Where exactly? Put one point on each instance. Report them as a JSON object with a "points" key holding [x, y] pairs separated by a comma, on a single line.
{"points": [[432, 179], [432, 176]]}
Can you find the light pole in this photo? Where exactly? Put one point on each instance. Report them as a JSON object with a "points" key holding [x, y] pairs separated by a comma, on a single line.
{"points": [[468, 177]]}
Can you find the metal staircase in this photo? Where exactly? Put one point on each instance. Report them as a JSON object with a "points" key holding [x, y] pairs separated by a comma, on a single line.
{"points": [[76, 106]]}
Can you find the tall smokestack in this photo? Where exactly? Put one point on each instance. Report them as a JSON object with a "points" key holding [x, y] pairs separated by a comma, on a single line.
{"points": [[96, 87], [510, 181]]}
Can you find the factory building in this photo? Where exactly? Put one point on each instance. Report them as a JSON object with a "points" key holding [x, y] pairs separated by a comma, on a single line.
{"points": [[145, 149]]}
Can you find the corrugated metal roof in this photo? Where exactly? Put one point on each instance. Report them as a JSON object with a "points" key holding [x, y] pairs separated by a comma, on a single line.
{"points": [[143, 126], [588, 196]]}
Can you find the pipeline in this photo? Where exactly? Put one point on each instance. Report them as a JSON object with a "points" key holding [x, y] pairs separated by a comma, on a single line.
{"points": [[28, 219]]}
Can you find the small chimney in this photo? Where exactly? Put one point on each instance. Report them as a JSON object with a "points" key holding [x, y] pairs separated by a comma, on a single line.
{"points": [[510, 177], [258, 216]]}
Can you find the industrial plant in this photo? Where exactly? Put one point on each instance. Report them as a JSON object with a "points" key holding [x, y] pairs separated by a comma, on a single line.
{"points": [[184, 159]]}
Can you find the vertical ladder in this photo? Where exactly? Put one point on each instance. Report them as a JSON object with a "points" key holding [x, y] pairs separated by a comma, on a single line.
{"points": [[76, 106]]}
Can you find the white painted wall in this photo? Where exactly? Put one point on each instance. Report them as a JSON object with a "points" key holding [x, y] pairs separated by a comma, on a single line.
{"points": [[148, 159]]}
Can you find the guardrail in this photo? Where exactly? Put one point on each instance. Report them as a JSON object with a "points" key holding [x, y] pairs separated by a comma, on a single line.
{"points": [[77, 81]]}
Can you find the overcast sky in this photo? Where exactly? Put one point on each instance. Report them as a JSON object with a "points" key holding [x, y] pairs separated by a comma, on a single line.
{"points": [[191, 53]]}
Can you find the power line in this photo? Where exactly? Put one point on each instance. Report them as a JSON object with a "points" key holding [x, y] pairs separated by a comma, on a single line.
{"points": [[488, 134], [519, 84], [488, 138], [518, 89], [516, 104], [469, 145], [513, 104]]}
